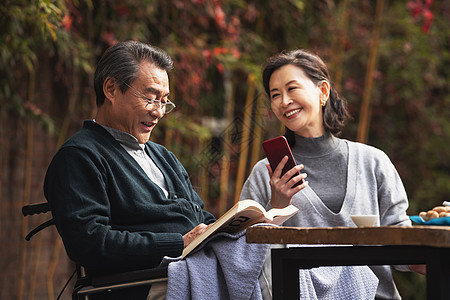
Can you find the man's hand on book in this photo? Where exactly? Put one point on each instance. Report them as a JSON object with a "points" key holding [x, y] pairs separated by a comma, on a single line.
{"points": [[191, 235]]}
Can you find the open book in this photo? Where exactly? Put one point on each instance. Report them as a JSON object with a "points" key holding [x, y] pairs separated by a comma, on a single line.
{"points": [[242, 215]]}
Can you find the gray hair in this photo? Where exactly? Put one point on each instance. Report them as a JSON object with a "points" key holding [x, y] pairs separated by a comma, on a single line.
{"points": [[122, 62]]}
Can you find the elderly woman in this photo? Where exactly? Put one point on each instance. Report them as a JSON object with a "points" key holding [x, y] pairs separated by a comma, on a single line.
{"points": [[344, 177]]}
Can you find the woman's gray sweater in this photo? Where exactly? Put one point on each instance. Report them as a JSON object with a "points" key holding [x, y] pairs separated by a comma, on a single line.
{"points": [[345, 178]]}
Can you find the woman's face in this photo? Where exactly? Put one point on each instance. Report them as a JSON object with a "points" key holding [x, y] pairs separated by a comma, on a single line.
{"points": [[296, 100]]}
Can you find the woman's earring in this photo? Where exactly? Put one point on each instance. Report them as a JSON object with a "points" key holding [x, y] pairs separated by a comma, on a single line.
{"points": [[323, 102]]}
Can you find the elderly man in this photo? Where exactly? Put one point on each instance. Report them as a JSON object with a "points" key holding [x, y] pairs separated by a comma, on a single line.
{"points": [[121, 202]]}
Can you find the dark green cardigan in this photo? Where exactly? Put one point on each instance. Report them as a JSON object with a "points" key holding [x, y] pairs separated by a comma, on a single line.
{"points": [[110, 215]]}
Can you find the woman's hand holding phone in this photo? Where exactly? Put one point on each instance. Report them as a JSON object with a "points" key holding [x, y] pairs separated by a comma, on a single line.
{"points": [[285, 177], [284, 186]]}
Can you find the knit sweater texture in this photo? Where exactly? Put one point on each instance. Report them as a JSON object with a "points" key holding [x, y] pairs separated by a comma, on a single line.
{"points": [[110, 215]]}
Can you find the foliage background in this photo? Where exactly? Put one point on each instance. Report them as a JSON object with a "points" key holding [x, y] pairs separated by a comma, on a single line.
{"points": [[49, 48]]}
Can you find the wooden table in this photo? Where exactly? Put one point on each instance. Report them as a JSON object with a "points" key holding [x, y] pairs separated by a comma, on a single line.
{"points": [[385, 245]]}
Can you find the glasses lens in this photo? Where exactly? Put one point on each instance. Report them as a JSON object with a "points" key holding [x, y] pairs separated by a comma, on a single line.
{"points": [[169, 107]]}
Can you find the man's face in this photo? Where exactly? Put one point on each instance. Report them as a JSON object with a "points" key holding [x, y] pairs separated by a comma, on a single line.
{"points": [[129, 110]]}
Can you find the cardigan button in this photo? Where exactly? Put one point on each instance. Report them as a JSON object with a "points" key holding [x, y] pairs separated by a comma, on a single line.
{"points": [[175, 197]]}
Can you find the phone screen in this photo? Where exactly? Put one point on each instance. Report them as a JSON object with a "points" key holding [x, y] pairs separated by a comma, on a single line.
{"points": [[275, 150]]}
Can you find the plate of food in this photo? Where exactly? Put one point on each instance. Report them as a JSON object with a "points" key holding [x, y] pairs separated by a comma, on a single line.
{"points": [[439, 215]]}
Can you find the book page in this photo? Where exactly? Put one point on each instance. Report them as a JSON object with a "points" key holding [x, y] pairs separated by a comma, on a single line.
{"points": [[242, 215], [277, 216], [242, 220]]}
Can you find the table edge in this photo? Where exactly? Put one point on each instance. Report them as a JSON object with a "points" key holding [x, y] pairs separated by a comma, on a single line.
{"points": [[433, 236]]}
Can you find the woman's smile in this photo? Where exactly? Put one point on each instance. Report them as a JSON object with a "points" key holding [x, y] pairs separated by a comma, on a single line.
{"points": [[292, 113]]}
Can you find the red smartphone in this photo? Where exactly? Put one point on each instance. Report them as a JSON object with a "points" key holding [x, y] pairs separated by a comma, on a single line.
{"points": [[275, 150]]}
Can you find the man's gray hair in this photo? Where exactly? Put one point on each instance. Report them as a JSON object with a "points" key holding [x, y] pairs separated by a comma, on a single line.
{"points": [[122, 62]]}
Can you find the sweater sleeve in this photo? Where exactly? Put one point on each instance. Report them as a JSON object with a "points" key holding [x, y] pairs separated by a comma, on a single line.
{"points": [[208, 218], [76, 187], [392, 197], [257, 186]]}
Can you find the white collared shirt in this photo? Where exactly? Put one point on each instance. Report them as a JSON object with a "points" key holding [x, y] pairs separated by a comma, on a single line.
{"points": [[137, 151]]}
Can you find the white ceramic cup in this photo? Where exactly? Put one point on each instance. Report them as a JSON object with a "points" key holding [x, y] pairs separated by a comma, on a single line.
{"points": [[364, 220]]}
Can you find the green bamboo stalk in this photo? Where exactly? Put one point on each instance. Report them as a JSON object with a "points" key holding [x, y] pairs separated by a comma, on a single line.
{"points": [[225, 163], [245, 141], [257, 131], [27, 185], [364, 116], [339, 44]]}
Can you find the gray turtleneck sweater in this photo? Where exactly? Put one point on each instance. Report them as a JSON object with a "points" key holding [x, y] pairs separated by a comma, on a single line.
{"points": [[345, 178], [325, 159]]}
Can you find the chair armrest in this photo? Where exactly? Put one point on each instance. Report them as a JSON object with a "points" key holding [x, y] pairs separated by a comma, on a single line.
{"points": [[38, 208], [131, 276], [98, 284], [39, 228]]}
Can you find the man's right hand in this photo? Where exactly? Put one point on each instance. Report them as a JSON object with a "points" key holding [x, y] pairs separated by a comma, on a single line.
{"points": [[191, 235]]}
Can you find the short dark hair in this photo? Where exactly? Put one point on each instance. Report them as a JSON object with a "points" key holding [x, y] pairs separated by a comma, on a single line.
{"points": [[122, 60], [335, 113]]}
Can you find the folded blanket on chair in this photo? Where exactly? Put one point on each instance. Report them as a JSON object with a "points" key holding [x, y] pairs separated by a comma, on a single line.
{"points": [[224, 267], [353, 282]]}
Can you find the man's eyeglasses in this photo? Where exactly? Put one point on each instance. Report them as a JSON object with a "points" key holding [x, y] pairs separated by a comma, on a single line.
{"points": [[154, 104]]}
